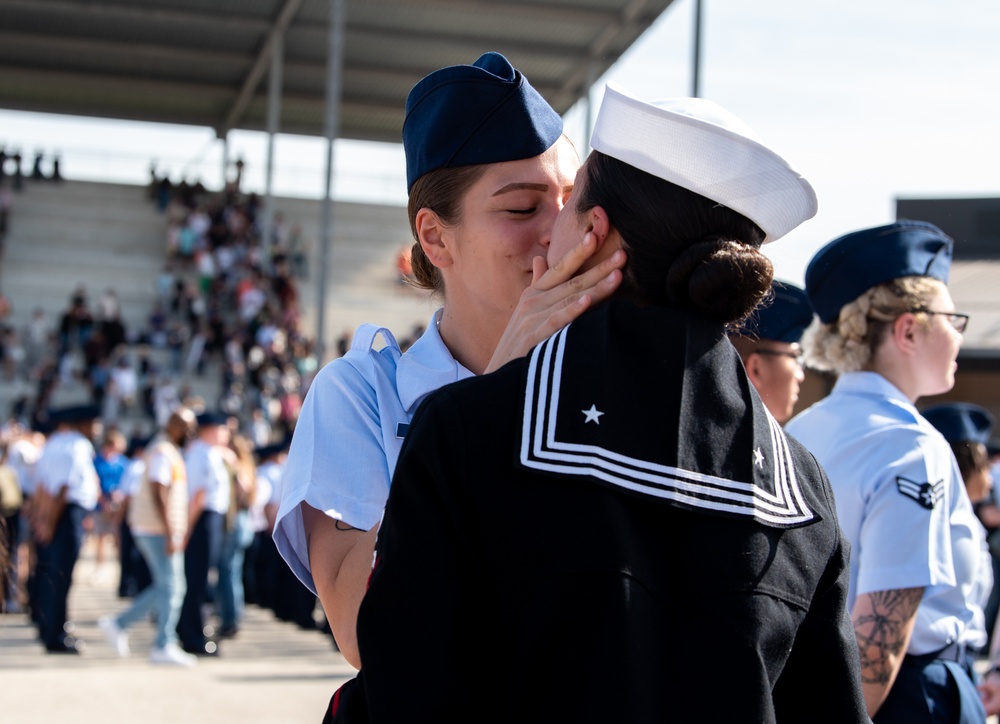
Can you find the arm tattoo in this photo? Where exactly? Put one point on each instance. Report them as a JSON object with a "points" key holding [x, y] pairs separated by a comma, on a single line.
{"points": [[882, 632]]}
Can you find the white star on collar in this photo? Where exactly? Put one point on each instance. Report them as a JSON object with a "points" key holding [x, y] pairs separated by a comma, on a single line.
{"points": [[758, 458], [593, 415]]}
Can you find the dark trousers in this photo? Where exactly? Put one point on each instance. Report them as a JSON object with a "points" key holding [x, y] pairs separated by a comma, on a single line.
{"points": [[932, 691], [54, 574], [291, 600], [201, 556], [135, 574]]}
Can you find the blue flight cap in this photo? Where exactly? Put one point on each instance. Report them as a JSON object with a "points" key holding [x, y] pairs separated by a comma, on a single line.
{"points": [[207, 419], [74, 414], [783, 319], [852, 264], [961, 421], [472, 114], [269, 451]]}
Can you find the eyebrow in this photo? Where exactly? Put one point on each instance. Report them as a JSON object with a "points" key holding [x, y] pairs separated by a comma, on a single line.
{"points": [[529, 187], [522, 186]]}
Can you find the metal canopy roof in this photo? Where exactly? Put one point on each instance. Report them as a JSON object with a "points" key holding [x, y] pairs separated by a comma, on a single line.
{"points": [[204, 62]]}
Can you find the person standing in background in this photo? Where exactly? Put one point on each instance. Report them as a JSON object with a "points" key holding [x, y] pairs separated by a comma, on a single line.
{"points": [[209, 486], [158, 516], [768, 343], [67, 492], [238, 535], [889, 328]]}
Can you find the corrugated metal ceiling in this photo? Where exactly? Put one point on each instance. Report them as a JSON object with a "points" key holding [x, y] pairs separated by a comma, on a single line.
{"points": [[187, 61]]}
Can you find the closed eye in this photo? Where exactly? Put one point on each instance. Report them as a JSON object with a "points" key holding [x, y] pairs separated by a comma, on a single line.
{"points": [[532, 210]]}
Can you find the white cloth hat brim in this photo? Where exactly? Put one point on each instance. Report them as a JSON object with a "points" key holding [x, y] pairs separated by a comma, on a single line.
{"points": [[698, 145]]}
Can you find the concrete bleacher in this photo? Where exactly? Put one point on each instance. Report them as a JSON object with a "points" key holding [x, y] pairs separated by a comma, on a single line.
{"points": [[111, 236]]}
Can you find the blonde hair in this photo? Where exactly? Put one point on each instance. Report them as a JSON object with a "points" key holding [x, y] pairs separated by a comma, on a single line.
{"points": [[849, 343]]}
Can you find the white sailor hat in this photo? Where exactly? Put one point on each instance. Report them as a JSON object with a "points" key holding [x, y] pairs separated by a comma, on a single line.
{"points": [[702, 147]]}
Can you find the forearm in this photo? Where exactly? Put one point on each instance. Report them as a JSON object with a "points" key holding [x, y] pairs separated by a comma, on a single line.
{"points": [[340, 558], [883, 624]]}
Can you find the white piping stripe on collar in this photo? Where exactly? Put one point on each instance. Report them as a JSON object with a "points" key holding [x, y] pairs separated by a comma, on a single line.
{"points": [[541, 450]]}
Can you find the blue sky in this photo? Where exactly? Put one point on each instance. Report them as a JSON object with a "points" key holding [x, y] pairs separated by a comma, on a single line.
{"points": [[869, 100]]}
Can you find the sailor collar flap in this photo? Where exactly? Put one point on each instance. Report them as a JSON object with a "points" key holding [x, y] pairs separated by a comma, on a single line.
{"points": [[654, 401]]}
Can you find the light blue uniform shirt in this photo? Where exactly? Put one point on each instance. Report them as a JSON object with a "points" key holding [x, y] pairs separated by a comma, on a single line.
{"points": [[68, 459], [903, 505], [206, 470], [350, 430]]}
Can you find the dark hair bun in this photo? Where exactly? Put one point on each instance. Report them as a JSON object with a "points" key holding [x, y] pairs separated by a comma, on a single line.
{"points": [[722, 279]]}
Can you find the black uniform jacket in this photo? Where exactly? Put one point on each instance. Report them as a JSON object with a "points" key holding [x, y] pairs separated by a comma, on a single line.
{"points": [[612, 529]]}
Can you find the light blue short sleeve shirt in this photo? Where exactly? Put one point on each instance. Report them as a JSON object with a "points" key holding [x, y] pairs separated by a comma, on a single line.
{"points": [[902, 504], [350, 430], [68, 460]]}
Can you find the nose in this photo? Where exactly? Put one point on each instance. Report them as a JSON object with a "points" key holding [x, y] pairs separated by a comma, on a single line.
{"points": [[549, 223]]}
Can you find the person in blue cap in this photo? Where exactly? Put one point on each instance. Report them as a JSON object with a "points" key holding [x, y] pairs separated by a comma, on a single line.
{"points": [[488, 169], [768, 343], [67, 490], [967, 428], [209, 487], [887, 326], [583, 535]]}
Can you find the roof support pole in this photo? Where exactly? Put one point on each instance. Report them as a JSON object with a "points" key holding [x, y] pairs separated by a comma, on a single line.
{"points": [[225, 159], [273, 126], [331, 126], [589, 96], [696, 60]]}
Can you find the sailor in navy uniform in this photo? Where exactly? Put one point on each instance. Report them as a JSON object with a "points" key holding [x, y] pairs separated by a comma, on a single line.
{"points": [[768, 343], [590, 532], [888, 327], [67, 492]]}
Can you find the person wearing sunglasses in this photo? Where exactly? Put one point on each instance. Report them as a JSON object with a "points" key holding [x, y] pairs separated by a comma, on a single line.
{"points": [[768, 343], [887, 326]]}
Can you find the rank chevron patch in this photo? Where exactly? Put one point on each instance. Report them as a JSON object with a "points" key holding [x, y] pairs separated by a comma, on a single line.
{"points": [[926, 494], [781, 507]]}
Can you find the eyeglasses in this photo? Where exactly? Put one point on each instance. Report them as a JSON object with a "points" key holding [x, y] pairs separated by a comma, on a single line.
{"points": [[797, 356], [956, 320]]}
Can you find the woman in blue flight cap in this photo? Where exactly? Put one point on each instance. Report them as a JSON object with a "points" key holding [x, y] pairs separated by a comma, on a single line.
{"points": [[488, 169], [614, 528], [967, 428], [888, 327]]}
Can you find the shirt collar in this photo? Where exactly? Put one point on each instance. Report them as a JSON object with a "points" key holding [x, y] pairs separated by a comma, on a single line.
{"points": [[872, 384], [426, 366]]}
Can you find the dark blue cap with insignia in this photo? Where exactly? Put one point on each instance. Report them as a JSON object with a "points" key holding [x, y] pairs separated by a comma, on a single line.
{"points": [[74, 414], [783, 319], [961, 421], [852, 264], [207, 419], [486, 112]]}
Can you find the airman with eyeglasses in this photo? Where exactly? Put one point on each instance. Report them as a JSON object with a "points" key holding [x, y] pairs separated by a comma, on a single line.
{"points": [[768, 343]]}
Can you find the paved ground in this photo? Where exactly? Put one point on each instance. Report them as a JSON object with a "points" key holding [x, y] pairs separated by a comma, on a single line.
{"points": [[272, 673]]}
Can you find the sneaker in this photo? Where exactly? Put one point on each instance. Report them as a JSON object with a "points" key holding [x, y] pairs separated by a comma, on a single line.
{"points": [[171, 654], [115, 635]]}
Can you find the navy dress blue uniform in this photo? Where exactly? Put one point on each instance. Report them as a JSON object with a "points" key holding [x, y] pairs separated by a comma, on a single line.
{"points": [[607, 549]]}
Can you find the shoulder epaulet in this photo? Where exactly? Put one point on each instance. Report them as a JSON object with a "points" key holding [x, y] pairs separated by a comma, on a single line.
{"points": [[364, 338]]}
